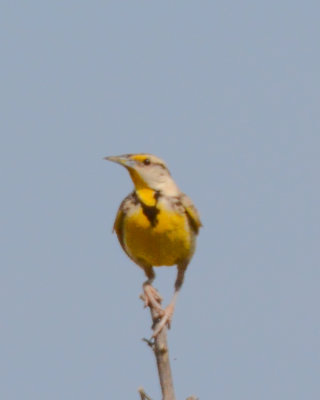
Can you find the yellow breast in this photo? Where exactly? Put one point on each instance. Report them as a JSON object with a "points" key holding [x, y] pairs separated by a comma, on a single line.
{"points": [[165, 240]]}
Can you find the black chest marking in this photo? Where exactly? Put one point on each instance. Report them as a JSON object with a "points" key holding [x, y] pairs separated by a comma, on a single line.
{"points": [[151, 212]]}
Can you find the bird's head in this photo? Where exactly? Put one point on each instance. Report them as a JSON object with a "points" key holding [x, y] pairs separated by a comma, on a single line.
{"points": [[147, 172]]}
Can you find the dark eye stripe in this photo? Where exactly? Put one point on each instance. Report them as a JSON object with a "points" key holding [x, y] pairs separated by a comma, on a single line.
{"points": [[147, 162], [162, 166]]}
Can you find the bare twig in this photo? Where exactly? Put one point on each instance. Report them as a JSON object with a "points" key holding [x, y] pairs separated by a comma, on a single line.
{"points": [[159, 345], [160, 349], [161, 352]]}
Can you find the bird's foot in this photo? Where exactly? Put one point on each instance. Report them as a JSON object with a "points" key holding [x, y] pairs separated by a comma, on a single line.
{"points": [[165, 320], [152, 299]]}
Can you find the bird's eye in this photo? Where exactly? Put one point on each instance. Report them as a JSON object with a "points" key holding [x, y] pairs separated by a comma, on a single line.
{"points": [[146, 161]]}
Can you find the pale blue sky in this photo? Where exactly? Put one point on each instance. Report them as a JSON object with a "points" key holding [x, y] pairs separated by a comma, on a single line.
{"points": [[228, 94]]}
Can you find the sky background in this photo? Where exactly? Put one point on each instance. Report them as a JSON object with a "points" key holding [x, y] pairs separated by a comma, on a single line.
{"points": [[227, 92]]}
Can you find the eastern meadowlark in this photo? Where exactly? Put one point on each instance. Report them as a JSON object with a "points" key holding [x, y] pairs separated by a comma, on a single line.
{"points": [[156, 225]]}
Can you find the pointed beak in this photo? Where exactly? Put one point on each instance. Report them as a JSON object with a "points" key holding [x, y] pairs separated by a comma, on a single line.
{"points": [[122, 160]]}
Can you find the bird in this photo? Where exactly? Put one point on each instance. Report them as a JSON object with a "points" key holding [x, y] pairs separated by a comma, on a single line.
{"points": [[156, 225]]}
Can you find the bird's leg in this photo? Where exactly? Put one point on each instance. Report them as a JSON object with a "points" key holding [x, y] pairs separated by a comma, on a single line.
{"points": [[169, 310], [150, 295], [167, 316]]}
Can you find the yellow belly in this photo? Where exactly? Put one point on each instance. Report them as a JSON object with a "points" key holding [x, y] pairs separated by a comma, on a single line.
{"points": [[169, 241]]}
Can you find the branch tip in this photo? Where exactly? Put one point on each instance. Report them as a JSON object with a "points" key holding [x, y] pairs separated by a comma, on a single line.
{"points": [[143, 394]]}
